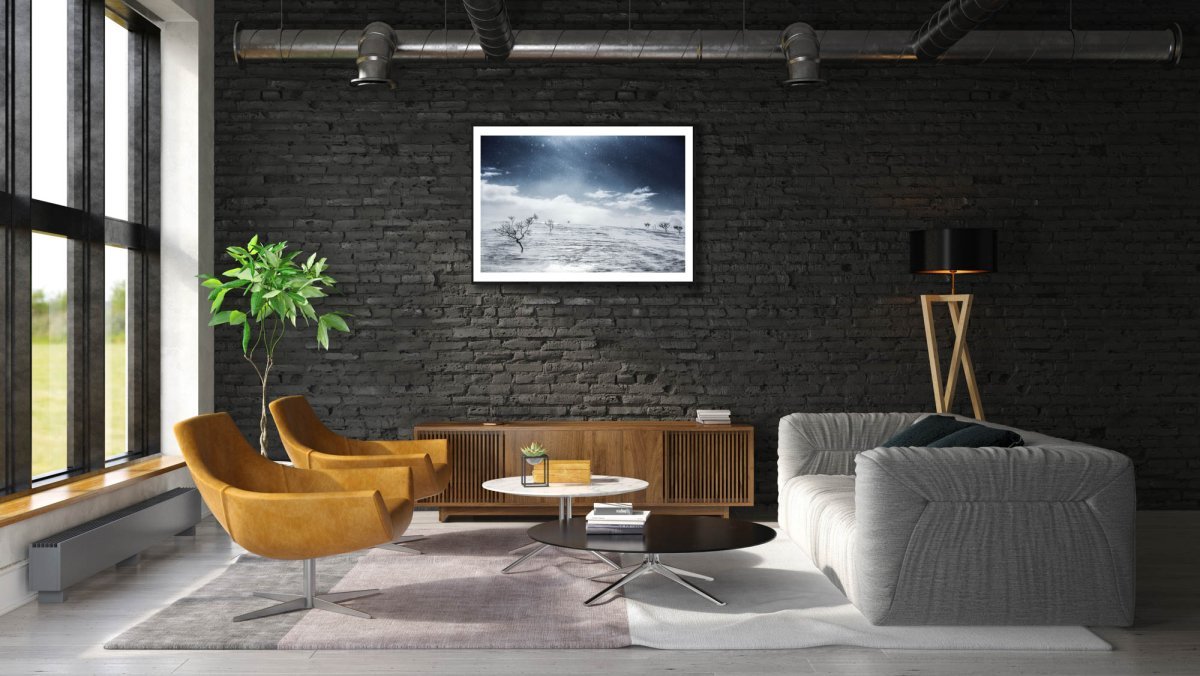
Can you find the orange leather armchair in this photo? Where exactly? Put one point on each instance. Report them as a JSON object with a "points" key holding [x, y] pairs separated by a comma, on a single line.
{"points": [[312, 445], [287, 513]]}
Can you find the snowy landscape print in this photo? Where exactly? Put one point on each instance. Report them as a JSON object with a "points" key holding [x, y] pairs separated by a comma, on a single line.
{"points": [[583, 204]]}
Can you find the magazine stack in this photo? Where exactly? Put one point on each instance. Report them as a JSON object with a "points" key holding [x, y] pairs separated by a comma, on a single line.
{"points": [[718, 417], [616, 518]]}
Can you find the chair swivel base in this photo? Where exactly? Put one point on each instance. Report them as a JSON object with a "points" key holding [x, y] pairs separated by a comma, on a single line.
{"points": [[308, 600], [399, 545], [294, 602], [652, 564]]}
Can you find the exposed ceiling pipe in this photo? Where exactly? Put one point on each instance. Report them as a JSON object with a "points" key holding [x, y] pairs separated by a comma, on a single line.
{"points": [[376, 46], [836, 46], [490, 20], [802, 51], [950, 24]]}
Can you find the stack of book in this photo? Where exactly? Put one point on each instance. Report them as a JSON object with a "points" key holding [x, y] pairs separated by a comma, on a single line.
{"points": [[616, 518], [720, 417]]}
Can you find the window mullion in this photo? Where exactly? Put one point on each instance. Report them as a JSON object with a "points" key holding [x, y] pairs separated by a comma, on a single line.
{"points": [[85, 266], [16, 352]]}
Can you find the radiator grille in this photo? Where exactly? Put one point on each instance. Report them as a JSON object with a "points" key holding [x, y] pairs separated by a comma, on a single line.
{"points": [[475, 457], [707, 467], [58, 538]]}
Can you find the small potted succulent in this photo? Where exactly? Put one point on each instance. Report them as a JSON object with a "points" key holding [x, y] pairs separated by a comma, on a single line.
{"points": [[535, 454]]}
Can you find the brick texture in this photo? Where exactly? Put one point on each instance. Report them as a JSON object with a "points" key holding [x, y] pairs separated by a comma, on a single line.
{"points": [[802, 299]]}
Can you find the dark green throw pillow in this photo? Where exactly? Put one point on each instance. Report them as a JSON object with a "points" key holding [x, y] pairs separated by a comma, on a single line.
{"points": [[926, 430], [977, 436]]}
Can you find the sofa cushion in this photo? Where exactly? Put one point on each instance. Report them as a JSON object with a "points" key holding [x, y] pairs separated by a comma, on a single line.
{"points": [[925, 431], [817, 513], [978, 436]]}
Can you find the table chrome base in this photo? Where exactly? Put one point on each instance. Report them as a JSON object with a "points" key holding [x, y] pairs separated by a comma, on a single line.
{"points": [[652, 564], [538, 550]]}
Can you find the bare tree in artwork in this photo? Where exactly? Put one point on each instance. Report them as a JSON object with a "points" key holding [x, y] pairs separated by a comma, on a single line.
{"points": [[679, 229], [666, 227], [516, 230], [550, 225], [647, 224]]}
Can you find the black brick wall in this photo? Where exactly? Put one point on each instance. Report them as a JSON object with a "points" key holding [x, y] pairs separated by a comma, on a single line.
{"points": [[803, 301]]}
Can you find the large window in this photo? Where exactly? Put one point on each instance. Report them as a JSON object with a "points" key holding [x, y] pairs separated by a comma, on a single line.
{"points": [[78, 239]]}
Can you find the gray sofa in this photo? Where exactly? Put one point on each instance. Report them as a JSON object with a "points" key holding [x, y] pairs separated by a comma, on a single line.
{"points": [[1039, 534]]}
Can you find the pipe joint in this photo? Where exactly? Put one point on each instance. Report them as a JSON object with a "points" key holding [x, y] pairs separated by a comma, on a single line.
{"points": [[802, 51], [376, 46]]}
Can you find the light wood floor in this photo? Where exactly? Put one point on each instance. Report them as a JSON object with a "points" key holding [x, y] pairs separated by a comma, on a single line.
{"points": [[66, 638]]}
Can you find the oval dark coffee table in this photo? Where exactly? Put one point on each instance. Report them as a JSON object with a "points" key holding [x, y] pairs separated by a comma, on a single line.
{"points": [[664, 534]]}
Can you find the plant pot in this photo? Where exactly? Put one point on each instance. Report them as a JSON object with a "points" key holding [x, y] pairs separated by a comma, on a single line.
{"points": [[533, 461]]}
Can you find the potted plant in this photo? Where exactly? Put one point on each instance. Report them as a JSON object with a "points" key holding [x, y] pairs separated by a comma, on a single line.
{"points": [[275, 291], [535, 454]]}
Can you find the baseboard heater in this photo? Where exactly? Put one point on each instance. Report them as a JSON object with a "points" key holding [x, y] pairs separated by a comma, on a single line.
{"points": [[61, 560]]}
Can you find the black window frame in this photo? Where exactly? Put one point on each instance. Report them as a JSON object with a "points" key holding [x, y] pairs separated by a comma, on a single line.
{"points": [[88, 231]]}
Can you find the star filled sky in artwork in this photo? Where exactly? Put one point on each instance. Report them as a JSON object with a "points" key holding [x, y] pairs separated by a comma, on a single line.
{"points": [[598, 180]]}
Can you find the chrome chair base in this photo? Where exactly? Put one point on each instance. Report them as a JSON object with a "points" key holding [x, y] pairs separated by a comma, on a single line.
{"points": [[308, 600], [652, 564], [398, 547]]}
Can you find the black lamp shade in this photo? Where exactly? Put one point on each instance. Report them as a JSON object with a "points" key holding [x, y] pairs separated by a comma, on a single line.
{"points": [[945, 251]]}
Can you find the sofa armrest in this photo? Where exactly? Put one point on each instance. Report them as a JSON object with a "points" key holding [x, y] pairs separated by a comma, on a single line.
{"points": [[1022, 473], [826, 443], [995, 535]]}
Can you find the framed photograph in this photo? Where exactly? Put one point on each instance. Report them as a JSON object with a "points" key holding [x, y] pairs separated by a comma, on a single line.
{"points": [[583, 204]]}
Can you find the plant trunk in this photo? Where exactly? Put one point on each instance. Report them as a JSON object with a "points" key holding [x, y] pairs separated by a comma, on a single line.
{"points": [[262, 419]]}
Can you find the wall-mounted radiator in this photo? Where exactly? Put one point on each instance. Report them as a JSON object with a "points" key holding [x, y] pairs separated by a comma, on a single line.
{"points": [[61, 560]]}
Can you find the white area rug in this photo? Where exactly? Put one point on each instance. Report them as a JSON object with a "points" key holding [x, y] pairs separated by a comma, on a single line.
{"points": [[775, 598]]}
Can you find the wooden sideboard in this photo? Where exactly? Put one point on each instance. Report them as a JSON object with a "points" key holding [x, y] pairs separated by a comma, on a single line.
{"points": [[691, 468]]}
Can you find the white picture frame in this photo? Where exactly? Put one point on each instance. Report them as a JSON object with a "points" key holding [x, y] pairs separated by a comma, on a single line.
{"points": [[591, 185]]}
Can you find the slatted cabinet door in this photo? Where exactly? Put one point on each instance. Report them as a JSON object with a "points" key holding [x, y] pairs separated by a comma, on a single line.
{"points": [[475, 457], [703, 467]]}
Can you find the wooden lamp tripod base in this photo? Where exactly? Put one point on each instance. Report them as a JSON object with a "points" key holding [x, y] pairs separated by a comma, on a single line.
{"points": [[960, 316]]}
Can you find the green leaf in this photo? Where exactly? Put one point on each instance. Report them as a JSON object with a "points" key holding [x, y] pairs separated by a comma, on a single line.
{"points": [[322, 335], [210, 282], [256, 301], [311, 292], [216, 305], [272, 293], [237, 317], [335, 321], [253, 242], [219, 318], [246, 338]]}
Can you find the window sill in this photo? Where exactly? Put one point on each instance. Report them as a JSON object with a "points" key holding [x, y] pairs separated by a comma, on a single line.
{"points": [[55, 496]]}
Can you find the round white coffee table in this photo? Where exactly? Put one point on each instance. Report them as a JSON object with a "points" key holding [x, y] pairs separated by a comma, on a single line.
{"points": [[600, 486]]}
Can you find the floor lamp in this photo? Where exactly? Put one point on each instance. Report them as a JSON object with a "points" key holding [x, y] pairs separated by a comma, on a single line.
{"points": [[952, 251]]}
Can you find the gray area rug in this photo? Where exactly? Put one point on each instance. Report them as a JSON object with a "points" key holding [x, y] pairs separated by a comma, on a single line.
{"points": [[454, 596]]}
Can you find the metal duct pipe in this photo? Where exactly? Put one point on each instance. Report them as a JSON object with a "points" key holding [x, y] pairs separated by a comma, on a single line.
{"points": [[950, 24], [490, 20], [619, 46], [802, 51], [376, 46]]}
